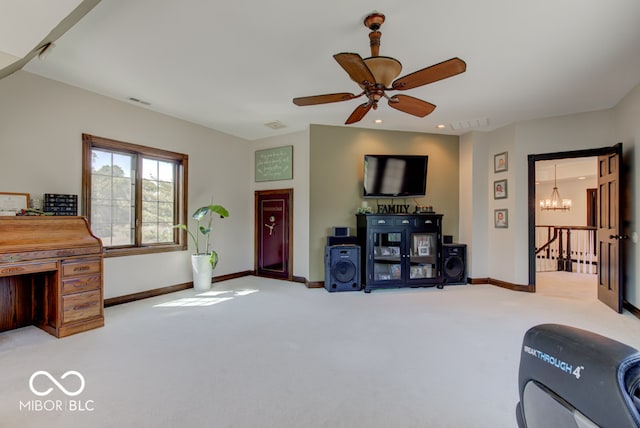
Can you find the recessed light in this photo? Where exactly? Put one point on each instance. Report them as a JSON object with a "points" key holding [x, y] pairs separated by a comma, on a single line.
{"points": [[377, 121], [441, 126], [582, 178]]}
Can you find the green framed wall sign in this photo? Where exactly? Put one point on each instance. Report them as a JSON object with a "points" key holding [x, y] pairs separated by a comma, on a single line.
{"points": [[274, 164]]}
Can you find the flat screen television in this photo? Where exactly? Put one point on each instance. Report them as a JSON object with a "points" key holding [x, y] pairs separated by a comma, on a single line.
{"points": [[395, 176]]}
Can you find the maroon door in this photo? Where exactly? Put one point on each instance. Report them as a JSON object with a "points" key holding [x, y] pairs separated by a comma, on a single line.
{"points": [[273, 233]]}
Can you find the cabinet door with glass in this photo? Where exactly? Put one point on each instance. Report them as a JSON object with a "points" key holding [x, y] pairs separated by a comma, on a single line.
{"points": [[387, 255], [400, 250], [423, 255]]}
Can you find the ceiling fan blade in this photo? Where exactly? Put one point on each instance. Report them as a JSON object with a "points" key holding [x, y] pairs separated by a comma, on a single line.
{"points": [[324, 99], [359, 113], [355, 66], [431, 74], [411, 105]]}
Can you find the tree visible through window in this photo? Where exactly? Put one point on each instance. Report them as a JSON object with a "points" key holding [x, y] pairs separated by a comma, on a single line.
{"points": [[113, 197], [158, 201], [133, 195]]}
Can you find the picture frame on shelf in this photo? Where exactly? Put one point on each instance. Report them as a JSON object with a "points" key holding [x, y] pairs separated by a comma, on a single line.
{"points": [[395, 271], [500, 189], [417, 272], [12, 203], [501, 162], [501, 218]]}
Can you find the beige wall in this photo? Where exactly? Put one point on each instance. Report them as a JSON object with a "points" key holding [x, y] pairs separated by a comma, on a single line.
{"points": [[41, 122], [300, 186], [474, 211], [41, 126], [627, 117], [508, 248], [336, 158]]}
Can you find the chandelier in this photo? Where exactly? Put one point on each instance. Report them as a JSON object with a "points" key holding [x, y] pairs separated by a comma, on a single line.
{"points": [[555, 203]]}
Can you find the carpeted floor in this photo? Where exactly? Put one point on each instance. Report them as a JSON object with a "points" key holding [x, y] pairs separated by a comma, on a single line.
{"points": [[256, 352]]}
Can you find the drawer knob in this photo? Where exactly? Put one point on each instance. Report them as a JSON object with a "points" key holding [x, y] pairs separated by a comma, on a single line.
{"points": [[81, 268]]}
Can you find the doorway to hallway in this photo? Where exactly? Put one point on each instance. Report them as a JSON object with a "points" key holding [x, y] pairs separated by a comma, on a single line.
{"points": [[566, 256], [608, 232]]}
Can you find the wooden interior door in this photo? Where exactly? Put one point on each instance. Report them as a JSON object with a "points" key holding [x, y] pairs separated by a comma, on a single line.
{"points": [[610, 274], [274, 233]]}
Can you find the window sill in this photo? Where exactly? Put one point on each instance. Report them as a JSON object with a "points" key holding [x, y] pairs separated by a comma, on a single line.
{"points": [[134, 251]]}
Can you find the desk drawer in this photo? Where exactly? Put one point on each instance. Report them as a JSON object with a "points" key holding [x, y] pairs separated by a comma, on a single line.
{"points": [[405, 221], [377, 221], [80, 306], [24, 268], [82, 283], [80, 267]]}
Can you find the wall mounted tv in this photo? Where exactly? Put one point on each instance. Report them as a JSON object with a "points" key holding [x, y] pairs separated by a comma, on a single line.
{"points": [[399, 176]]}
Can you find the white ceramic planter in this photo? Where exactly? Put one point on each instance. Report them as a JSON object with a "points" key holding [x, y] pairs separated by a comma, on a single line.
{"points": [[202, 272]]}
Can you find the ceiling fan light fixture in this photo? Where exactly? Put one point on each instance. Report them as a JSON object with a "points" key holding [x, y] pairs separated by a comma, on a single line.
{"points": [[385, 69], [378, 74]]}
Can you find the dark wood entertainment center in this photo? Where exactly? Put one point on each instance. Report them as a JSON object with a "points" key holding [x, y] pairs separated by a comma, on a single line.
{"points": [[400, 250], [50, 274]]}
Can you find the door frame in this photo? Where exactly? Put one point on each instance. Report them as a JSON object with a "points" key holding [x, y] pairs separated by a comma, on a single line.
{"points": [[532, 199], [256, 233]]}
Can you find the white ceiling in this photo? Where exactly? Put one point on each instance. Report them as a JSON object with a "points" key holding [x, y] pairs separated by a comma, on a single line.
{"points": [[569, 169], [234, 66]]}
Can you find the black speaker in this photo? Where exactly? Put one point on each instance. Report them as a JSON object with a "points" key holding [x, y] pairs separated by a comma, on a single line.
{"points": [[342, 240], [342, 268], [454, 265]]}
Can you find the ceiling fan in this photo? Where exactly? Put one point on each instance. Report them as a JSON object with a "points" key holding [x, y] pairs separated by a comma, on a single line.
{"points": [[375, 74]]}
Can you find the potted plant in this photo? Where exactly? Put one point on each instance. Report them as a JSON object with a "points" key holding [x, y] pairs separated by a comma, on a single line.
{"points": [[203, 261]]}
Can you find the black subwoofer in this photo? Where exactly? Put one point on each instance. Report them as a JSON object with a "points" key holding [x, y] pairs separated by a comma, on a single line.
{"points": [[342, 268], [454, 265]]}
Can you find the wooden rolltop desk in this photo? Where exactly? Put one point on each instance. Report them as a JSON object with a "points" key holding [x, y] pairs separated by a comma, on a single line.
{"points": [[50, 274]]}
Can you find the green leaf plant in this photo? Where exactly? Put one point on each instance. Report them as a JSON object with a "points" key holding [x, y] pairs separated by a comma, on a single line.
{"points": [[205, 213]]}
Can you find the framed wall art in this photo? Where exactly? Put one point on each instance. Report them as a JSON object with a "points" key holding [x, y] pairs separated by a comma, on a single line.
{"points": [[500, 189], [274, 164], [501, 218], [500, 162]]}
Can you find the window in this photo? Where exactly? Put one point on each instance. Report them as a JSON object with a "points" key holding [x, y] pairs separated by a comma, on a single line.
{"points": [[133, 195]]}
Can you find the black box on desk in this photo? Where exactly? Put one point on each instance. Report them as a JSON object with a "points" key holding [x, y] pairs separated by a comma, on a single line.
{"points": [[58, 204]]}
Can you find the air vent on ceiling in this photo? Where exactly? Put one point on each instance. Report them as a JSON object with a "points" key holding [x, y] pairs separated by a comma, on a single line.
{"points": [[275, 125], [469, 124], [137, 100]]}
